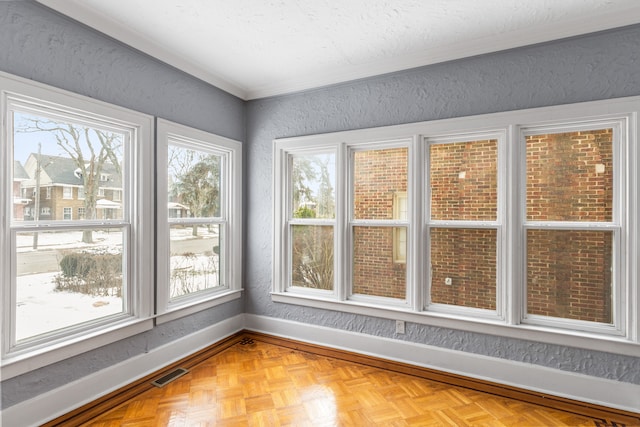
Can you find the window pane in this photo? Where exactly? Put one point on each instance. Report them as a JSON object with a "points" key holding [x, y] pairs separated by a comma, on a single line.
{"points": [[463, 267], [63, 282], [379, 175], [313, 181], [570, 176], [464, 180], [312, 256], [194, 183], [569, 274], [375, 268], [195, 258], [53, 158]]}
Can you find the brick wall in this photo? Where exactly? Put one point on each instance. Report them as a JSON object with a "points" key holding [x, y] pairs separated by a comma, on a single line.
{"points": [[570, 178], [379, 176], [464, 187]]}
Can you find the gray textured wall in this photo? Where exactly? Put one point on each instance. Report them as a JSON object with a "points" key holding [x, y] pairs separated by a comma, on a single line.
{"points": [[598, 66], [38, 44]]}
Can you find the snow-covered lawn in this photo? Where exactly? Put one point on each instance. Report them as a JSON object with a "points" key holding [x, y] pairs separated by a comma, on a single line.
{"points": [[41, 309]]}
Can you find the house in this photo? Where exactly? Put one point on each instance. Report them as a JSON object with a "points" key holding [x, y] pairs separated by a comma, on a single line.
{"points": [[19, 176], [62, 190], [39, 44]]}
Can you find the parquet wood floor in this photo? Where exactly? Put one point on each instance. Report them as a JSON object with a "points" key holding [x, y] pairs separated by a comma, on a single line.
{"points": [[255, 383]]}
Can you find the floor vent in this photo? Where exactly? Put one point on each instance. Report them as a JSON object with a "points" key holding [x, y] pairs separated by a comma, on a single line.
{"points": [[175, 374]]}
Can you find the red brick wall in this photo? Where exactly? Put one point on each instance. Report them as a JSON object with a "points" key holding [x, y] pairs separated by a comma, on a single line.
{"points": [[570, 178], [464, 187], [379, 175]]}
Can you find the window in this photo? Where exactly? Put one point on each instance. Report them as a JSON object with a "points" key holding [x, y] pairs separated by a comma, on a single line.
{"points": [[101, 192], [48, 190], [117, 195], [572, 225], [80, 193], [199, 229], [378, 175], [463, 226], [521, 224], [100, 265], [67, 192]]}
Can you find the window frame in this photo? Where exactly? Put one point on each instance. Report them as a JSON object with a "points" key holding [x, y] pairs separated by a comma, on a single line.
{"points": [[230, 220], [25, 95], [624, 338]]}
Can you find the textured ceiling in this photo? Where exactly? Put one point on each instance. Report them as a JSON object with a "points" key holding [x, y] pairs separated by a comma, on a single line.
{"points": [[258, 48]]}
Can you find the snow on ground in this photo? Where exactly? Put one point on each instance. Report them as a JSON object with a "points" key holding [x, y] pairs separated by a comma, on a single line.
{"points": [[41, 309]]}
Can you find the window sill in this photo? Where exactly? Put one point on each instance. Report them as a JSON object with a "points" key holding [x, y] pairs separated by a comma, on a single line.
{"points": [[31, 359], [194, 306], [610, 344]]}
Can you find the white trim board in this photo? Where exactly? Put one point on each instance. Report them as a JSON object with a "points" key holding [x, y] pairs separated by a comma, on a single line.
{"points": [[57, 402], [62, 400], [599, 391]]}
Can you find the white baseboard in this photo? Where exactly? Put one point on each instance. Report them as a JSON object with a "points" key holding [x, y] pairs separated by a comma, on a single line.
{"points": [[599, 391], [52, 404]]}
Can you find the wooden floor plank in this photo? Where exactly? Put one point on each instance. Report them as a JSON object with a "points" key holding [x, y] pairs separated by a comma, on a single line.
{"points": [[262, 384]]}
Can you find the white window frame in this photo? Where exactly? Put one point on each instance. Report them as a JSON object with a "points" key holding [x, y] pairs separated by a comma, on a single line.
{"points": [[27, 95], [67, 211], [230, 220], [620, 141], [510, 319], [409, 144]]}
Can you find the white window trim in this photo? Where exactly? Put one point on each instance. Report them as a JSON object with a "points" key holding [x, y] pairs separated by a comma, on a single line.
{"points": [[230, 219], [508, 124], [25, 92]]}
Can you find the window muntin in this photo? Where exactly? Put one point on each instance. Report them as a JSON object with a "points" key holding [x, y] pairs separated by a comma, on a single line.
{"points": [[199, 234], [572, 225], [50, 139]]}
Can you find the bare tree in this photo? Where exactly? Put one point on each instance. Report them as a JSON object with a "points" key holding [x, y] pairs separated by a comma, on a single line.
{"points": [[90, 149], [196, 182]]}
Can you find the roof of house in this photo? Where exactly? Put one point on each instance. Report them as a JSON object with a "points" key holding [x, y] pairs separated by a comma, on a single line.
{"points": [[19, 173], [65, 170]]}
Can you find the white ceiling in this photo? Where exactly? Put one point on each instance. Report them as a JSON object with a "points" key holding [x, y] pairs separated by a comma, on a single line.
{"points": [[259, 48]]}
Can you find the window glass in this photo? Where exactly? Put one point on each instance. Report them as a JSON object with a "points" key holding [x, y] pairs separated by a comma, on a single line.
{"points": [[312, 256], [375, 271], [570, 176], [569, 274], [463, 267], [60, 153], [312, 186], [194, 191], [463, 180], [61, 282], [194, 183], [194, 258], [378, 175]]}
